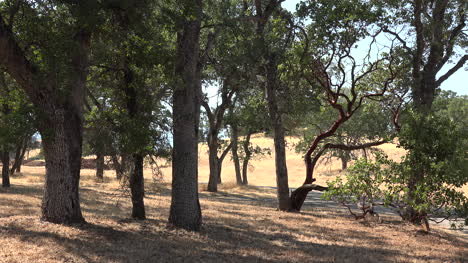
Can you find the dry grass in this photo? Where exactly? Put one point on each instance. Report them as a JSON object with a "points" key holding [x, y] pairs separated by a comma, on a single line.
{"points": [[240, 224]]}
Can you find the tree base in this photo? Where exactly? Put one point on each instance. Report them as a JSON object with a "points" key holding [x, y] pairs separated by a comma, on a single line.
{"points": [[299, 195]]}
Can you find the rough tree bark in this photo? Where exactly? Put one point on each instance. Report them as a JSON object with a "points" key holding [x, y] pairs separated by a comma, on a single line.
{"points": [[185, 209], [62, 141], [60, 124]]}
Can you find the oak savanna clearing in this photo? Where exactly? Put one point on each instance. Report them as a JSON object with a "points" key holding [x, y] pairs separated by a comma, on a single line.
{"points": [[186, 86], [241, 223]]}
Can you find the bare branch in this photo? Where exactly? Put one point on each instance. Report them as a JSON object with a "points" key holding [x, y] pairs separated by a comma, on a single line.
{"points": [[454, 69]]}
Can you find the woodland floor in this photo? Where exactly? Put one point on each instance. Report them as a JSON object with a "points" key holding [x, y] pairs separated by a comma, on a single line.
{"points": [[240, 224]]}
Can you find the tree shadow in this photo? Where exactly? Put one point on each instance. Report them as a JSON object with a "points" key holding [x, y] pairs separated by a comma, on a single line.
{"points": [[230, 232]]}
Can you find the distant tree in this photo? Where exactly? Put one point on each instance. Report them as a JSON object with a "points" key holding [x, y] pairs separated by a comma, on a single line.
{"points": [[16, 125], [247, 117], [129, 78]]}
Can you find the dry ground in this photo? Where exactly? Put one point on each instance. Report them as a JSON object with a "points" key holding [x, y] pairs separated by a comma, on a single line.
{"points": [[240, 224]]}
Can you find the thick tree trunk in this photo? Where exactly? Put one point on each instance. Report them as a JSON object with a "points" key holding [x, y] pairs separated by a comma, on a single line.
{"points": [[279, 141], [137, 188], [235, 156], [185, 209], [60, 122], [62, 141], [100, 166], [5, 166]]}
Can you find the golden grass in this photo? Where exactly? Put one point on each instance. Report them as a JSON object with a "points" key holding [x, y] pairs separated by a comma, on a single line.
{"points": [[240, 224]]}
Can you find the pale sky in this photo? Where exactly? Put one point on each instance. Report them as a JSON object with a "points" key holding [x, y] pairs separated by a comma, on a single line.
{"points": [[458, 82]]}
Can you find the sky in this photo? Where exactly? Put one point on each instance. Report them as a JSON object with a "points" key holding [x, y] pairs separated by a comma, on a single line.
{"points": [[458, 82]]}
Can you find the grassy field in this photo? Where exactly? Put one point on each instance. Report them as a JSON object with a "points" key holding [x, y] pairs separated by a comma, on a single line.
{"points": [[241, 224]]}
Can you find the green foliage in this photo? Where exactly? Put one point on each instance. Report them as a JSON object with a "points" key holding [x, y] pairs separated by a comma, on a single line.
{"points": [[436, 156], [17, 116], [364, 184]]}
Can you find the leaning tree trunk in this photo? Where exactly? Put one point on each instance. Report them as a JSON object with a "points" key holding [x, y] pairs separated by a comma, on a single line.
{"points": [[279, 141], [5, 172], [137, 188], [185, 209], [18, 151], [221, 160], [62, 141], [21, 159], [235, 156]]}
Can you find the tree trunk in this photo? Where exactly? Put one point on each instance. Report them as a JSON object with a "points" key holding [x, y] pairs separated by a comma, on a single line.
{"points": [[117, 167], [5, 172], [62, 141], [60, 122], [235, 156], [100, 166], [18, 151], [220, 168], [21, 159], [221, 160], [137, 188], [278, 130], [364, 154], [185, 209], [245, 161], [19, 155], [121, 166], [213, 161], [344, 161]]}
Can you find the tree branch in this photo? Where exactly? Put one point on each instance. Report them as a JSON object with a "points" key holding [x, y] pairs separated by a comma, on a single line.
{"points": [[454, 69]]}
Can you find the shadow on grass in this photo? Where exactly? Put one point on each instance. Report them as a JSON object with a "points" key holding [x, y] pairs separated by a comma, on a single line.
{"points": [[230, 233]]}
